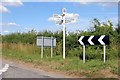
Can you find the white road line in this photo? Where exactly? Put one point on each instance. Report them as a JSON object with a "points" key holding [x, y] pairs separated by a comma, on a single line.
{"points": [[4, 69], [7, 65], [0, 73]]}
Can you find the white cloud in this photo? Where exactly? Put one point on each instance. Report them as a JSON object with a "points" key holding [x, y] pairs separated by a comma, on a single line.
{"points": [[73, 0], [3, 9], [12, 24], [9, 24], [6, 31], [51, 19], [107, 4], [114, 20], [83, 3], [28, 28], [99, 3], [5, 3], [12, 3]]}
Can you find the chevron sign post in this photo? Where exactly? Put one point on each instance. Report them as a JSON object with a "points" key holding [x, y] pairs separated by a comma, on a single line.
{"points": [[93, 40]]}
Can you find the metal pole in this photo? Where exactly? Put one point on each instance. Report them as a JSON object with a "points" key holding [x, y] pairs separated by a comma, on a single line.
{"points": [[104, 52], [83, 53], [64, 37], [51, 47], [42, 47]]}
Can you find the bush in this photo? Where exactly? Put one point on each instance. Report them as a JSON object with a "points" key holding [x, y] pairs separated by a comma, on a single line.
{"points": [[72, 46]]}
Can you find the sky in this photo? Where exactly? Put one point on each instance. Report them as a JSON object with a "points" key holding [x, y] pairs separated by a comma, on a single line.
{"points": [[24, 16]]}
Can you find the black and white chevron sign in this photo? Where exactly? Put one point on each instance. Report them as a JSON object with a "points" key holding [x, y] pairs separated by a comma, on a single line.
{"points": [[94, 40]]}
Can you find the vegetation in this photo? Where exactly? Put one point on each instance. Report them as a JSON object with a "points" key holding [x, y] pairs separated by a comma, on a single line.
{"points": [[22, 46]]}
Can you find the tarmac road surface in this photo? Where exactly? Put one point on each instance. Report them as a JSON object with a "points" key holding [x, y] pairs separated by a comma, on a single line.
{"points": [[16, 71]]}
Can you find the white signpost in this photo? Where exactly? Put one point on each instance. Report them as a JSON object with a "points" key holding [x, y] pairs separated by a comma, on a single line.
{"points": [[46, 42], [63, 19]]}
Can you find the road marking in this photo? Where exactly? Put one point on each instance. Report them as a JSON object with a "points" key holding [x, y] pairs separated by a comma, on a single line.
{"points": [[4, 69], [0, 73], [7, 65]]}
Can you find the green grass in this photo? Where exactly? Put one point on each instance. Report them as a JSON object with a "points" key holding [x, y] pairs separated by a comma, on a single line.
{"points": [[71, 65]]}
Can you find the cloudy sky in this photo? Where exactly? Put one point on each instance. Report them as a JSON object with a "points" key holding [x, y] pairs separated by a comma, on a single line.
{"points": [[24, 16]]}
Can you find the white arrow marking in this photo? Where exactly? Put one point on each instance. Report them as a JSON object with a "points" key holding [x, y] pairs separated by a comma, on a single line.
{"points": [[4, 69], [7, 65], [0, 73], [100, 40], [89, 40], [80, 40]]}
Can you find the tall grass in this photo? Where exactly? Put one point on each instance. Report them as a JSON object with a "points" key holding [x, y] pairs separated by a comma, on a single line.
{"points": [[25, 48], [92, 52]]}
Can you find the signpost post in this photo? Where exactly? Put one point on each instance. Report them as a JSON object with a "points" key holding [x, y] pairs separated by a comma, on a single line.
{"points": [[63, 19], [94, 40], [42, 47], [51, 47], [64, 31], [83, 53], [104, 53], [46, 42]]}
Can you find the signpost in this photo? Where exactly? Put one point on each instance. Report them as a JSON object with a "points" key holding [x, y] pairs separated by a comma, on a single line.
{"points": [[94, 40], [63, 19], [46, 42]]}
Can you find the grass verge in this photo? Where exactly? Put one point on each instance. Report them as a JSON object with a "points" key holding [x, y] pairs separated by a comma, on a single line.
{"points": [[72, 66]]}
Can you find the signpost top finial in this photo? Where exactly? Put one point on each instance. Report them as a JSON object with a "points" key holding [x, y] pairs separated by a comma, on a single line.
{"points": [[64, 10]]}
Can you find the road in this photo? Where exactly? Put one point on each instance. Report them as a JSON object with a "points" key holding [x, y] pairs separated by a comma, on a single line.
{"points": [[17, 71]]}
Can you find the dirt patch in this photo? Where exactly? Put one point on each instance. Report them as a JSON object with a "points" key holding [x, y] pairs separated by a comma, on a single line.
{"points": [[106, 73]]}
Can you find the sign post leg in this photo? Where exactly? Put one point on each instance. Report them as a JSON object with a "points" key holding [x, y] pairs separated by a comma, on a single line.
{"points": [[104, 53], [83, 53], [42, 48], [51, 47], [64, 41]]}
